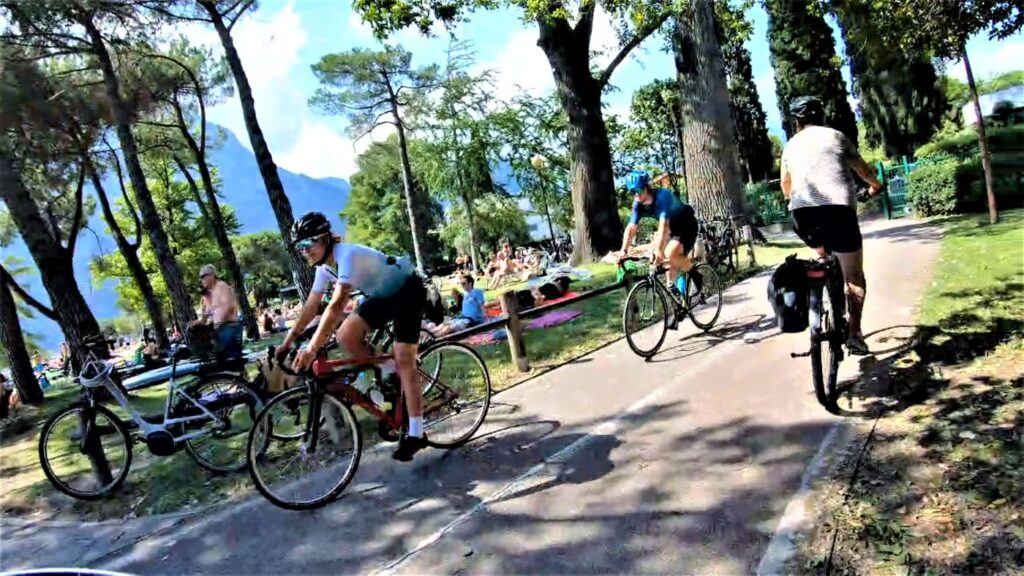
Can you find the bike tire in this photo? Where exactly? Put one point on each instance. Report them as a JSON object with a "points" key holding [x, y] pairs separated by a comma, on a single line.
{"points": [[642, 290], [707, 301], [260, 453], [480, 384], [825, 346], [119, 427], [237, 442]]}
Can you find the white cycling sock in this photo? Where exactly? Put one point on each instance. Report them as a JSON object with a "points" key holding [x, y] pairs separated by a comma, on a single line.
{"points": [[416, 426]]}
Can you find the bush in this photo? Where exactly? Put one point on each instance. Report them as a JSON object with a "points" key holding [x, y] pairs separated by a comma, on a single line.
{"points": [[931, 189], [765, 203]]}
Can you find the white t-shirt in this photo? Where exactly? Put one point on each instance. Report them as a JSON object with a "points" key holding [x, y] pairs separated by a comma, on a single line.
{"points": [[370, 271], [818, 161]]}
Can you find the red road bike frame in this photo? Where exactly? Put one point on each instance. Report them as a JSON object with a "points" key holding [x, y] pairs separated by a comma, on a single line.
{"points": [[332, 375]]}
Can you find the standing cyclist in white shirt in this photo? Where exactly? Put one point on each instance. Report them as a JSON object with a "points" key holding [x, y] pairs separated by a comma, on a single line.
{"points": [[393, 292], [817, 180]]}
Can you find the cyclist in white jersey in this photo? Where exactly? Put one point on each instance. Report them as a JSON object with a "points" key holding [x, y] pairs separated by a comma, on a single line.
{"points": [[817, 179], [394, 292]]}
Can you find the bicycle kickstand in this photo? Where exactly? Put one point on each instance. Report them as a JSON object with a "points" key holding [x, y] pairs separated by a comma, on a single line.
{"points": [[799, 354]]}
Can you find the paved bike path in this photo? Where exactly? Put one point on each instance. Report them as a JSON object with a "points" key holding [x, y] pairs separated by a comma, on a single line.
{"points": [[608, 464]]}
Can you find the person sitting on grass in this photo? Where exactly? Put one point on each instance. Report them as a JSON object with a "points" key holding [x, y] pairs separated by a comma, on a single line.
{"points": [[472, 309]]}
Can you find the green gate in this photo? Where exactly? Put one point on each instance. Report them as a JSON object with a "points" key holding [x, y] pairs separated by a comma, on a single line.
{"points": [[896, 174]]}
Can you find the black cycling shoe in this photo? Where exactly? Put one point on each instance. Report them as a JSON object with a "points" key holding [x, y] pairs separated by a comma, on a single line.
{"points": [[408, 446]]}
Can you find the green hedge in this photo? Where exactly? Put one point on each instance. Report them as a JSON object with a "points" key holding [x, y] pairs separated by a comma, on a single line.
{"points": [[965, 143], [946, 188]]}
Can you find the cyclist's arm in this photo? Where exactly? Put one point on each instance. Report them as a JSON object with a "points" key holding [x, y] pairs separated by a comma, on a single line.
{"points": [[857, 162], [332, 317], [785, 180], [309, 311], [630, 233]]}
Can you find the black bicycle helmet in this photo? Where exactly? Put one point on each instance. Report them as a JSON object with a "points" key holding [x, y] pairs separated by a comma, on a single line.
{"points": [[312, 225], [807, 110]]}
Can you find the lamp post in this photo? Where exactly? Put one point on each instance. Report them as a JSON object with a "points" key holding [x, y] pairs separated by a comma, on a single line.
{"points": [[540, 163]]}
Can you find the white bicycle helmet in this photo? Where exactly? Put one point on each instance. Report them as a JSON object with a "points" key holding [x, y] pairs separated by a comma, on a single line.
{"points": [[95, 374]]}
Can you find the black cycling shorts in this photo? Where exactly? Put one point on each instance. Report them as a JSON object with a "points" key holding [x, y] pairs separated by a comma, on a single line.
{"points": [[835, 227], [682, 226], [405, 307]]}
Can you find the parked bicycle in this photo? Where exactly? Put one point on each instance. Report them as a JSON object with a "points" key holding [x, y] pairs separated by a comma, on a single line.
{"points": [[86, 450], [651, 306], [720, 245], [305, 446]]}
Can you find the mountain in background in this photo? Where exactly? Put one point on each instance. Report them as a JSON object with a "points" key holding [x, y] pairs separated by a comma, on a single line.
{"points": [[242, 188]]}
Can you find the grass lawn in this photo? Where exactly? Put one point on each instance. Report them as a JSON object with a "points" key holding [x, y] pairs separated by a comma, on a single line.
{"points": [[939, 490]]}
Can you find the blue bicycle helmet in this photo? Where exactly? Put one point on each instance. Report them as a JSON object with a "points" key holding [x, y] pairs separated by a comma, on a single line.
{"points": [[637, 181]]}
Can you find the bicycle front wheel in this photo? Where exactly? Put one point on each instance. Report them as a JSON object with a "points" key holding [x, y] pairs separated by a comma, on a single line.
{"points": [[85, 451], [220, 447], [306, 463], [705, 301], [456, 393], [645, 319]]}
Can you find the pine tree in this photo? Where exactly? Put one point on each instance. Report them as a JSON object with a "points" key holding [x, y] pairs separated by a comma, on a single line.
{"points": [[805, 61]]}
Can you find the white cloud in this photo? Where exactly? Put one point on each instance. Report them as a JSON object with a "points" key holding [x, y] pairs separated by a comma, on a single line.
{"points": [[301, 140], [521, 66]]}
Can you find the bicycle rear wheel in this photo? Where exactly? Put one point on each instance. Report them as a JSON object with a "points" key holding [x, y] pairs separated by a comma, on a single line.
{"points": [[704, 304], [308, 467], [456, 396], [827, 345], [645, 318]]}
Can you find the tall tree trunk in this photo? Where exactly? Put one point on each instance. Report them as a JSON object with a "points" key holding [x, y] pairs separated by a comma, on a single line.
{"points": [[180, 299], [986, 159], [598, 228], [713, 182], [53, 261], [12, 345], [471, 220], [216, 222], [131, 258], [408, 183], [279, 202]]}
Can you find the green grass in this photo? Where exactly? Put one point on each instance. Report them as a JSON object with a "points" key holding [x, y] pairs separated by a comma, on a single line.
{"points": [[941, 488]]}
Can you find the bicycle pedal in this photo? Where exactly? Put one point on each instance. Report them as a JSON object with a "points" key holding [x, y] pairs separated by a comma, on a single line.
{"points": [[799, 354]]}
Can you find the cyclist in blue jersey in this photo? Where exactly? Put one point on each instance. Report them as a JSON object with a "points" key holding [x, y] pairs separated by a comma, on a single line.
{"points": [[394, 292], [677, 227]]}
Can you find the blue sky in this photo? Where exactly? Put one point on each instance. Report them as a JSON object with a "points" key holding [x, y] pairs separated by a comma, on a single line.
{"points": [[280, 42]]}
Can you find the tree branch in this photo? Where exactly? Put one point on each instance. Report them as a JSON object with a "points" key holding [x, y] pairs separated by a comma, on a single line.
{"points": [[585, 24], [7, 278], [124, 194], [194, 188], [626, 48], [241, 11], [375, 125], [76, 222]]}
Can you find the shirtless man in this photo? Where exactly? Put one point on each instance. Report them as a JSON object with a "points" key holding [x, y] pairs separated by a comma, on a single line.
{"points": [[220, 308]]}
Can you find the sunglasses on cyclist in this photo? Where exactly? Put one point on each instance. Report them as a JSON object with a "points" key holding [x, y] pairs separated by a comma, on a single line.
{"points": [[303, 245]]}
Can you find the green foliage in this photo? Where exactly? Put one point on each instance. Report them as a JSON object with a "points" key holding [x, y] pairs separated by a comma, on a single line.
{"points": [[870, 152], [376, 213], [902, 101], [932, 190], [803, 54], [748, 115], [766, 203], [942, 28], [497, 218], [188, 232], [264, 259], [651, 139], [528, 127]]}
